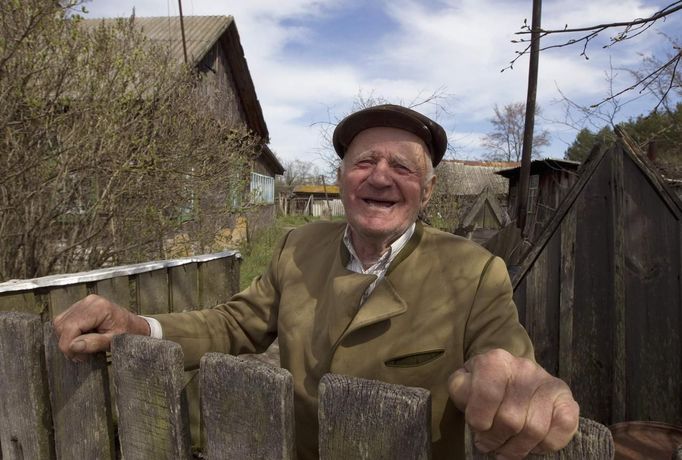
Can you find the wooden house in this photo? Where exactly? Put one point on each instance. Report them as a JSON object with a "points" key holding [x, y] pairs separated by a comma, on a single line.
{"points": [[470, 199], [214, 49], [315, 200]]}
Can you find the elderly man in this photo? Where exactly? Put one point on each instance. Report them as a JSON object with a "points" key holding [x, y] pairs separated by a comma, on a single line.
{"points": [[382, 297]]}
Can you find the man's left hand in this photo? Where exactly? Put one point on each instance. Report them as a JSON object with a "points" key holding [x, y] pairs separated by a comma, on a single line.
{"points": [[514, 406]]}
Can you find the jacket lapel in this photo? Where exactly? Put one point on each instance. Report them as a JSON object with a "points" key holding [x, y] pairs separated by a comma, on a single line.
{"points": [[382, 304], [342, 296]]}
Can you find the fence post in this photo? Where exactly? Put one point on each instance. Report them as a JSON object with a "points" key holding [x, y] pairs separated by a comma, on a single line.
{"points": [[152, 407], [593, 440], [366, 419], [247, 407], [25, 421], [81, 407]]}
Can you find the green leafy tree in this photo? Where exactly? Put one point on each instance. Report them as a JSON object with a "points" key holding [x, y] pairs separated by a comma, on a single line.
{"points": [[581, 147], [663, 129]]}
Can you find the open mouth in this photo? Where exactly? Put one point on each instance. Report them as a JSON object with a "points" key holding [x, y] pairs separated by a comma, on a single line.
{"points": [[378, 203]]}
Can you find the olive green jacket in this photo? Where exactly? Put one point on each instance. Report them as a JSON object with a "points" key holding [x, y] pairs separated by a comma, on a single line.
{"points": [[443, 300]]}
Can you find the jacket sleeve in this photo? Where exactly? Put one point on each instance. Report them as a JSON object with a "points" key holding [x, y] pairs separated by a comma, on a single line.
{"points": [[493, 320], [245, 324]]}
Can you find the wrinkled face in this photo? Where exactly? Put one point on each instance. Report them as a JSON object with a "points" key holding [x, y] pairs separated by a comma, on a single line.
{"points": [[383, 182]]}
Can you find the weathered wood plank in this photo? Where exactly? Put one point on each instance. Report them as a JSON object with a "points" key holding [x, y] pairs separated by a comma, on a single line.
{"points": [[62, 297], [184, 296], [618, 286], [653, 299], [588, 169], [152, 410], [25, 419], [217, 281], [593, 293], [566, 296], [365, 419], [23, 301], [248, 409], [115, 289], [81, 410], [542, 305], [592, 441], [152, 292], [184, 287]]}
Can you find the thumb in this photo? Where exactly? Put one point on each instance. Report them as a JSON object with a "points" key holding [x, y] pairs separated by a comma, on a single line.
{"points": [[459, 386], [90, 343]]}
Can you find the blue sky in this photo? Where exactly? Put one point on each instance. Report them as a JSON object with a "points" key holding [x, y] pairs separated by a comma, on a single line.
{"points": [[311, 59]]}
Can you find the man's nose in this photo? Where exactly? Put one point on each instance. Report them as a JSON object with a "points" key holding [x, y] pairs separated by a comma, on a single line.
{"points": [[381, 174]]}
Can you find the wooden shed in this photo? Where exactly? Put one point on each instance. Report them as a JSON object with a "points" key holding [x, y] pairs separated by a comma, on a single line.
{"points": [[550, 181], [470, 198], [600, 291], [315, 200]]}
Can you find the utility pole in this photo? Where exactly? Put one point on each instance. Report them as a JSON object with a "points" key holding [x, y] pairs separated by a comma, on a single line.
{"points": [[527, 152], [182, 31]]}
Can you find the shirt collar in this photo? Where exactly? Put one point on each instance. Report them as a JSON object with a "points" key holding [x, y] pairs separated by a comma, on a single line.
{"points": [[386, 258]]}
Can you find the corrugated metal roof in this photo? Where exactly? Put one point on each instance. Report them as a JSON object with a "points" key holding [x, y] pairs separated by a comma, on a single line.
{"points": [[465, 178], [331, 189], [540, 166], [201, 33]]}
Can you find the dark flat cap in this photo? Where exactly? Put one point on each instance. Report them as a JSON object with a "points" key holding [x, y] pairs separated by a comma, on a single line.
{"points": [[391, 116]]}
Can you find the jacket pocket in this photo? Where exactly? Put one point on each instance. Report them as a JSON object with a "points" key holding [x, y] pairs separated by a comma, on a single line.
{"points": [[415, 359]]}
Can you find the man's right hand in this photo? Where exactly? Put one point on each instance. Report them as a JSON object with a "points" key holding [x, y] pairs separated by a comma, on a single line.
{"points": [[89, 325]]}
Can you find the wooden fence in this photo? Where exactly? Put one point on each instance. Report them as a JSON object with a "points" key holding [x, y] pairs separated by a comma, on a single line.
{"points": [[148, 288], [53, 408]]}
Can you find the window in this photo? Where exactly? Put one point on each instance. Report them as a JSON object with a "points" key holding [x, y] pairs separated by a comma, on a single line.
{"points": [[533, 193], [262, 188]]}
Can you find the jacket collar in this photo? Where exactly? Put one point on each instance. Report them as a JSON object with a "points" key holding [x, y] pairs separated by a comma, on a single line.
{"points": [[384, 303]]}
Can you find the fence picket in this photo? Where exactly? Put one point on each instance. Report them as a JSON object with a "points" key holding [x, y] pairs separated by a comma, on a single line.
{"points": [[593, 440], [81, 409], [248, 408], [152, 407], [366, 419], [25, 419]]}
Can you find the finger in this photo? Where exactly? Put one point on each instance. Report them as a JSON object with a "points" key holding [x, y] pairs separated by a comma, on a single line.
{"points": [[540, 421], [459, 387], [84, 316], [564, 425], [490, 376], [534, 431], [72, 329], [90, 343], [512, 414]]}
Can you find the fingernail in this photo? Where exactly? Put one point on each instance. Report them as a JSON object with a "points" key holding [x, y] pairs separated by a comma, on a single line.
{"points": [[78, 346]]}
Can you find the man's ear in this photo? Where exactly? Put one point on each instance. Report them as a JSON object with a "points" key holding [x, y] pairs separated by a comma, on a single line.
{"points": [[428, 190], [339, 173]]}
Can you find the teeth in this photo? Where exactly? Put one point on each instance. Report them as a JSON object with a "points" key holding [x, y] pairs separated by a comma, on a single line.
{"points": [[383, 204]]}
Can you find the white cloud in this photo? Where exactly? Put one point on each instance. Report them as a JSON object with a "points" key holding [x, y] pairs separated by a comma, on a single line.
{"points": [[452, 46]]}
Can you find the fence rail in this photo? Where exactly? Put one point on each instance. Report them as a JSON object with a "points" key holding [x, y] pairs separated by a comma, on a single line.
{"points": [[148, 288], [53, 408]]}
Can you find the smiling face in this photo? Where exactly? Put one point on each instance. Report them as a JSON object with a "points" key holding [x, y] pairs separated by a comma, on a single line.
{"points": [[384, 183]]}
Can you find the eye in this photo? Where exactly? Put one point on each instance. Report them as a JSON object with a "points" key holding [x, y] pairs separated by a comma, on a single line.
{"points": [[401, 169], [364, 163]]}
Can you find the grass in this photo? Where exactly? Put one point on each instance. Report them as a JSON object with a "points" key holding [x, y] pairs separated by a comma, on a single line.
{"points": [[258, 252]]}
